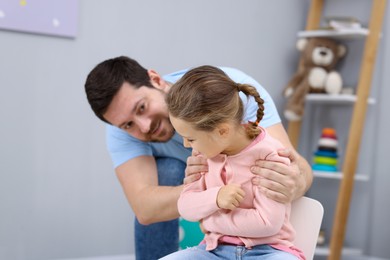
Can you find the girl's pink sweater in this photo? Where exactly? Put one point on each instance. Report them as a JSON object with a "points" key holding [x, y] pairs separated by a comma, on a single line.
{"points": [[258, 220]]}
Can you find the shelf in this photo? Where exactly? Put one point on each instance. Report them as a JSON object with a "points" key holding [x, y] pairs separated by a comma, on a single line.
{"points": [[356, 122], [342, 34], [338, 175], [347, 251], [338, 98]]}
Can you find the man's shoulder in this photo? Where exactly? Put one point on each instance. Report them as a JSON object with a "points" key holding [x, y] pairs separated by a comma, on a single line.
{"points": [[118, 139], [175, 76], [233, 73], [123, 147]]}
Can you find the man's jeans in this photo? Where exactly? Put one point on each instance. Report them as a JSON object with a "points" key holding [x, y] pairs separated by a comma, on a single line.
{"points": [[157, 240]]}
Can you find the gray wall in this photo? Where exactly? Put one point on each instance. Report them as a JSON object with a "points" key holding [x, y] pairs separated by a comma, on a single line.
{"points": [[59, 196]]}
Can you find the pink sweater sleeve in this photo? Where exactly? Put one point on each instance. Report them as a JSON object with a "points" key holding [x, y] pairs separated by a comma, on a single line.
{"points": [[274, 156], [265, 219], [196, 202]]}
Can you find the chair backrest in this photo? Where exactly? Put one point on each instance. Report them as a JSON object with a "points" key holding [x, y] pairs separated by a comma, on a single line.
{"points": [[306, 218]]}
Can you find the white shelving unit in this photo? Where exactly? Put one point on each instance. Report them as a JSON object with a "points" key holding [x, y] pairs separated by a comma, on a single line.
{"points": [[315, 101], [347, 251], [339, 175], [332, 99], [344, 34], [340, 99], [347, 177]]}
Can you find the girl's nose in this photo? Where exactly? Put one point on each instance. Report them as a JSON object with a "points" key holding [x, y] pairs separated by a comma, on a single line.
{"points": [[186, 143]]}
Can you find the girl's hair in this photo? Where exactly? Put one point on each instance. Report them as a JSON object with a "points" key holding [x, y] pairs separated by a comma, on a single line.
{"points": [[205, 97]]}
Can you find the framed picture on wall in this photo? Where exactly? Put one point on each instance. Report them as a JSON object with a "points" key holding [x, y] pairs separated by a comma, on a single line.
{"points": [[48, 17]]}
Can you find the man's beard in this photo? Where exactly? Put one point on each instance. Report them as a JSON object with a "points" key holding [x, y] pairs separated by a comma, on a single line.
{"points": [[167, 132], [168, 137]]}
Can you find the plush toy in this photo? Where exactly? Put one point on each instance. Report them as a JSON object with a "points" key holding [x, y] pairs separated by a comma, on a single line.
{"points": [[316, 73]]}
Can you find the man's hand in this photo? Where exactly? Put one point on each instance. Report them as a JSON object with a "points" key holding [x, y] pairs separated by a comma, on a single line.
{"points": [[230, 196], [280, 182], [204, 231], [196, 164]]}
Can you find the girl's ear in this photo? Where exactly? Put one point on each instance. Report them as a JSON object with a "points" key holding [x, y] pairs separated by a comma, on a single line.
{"points": [[223, 129]]}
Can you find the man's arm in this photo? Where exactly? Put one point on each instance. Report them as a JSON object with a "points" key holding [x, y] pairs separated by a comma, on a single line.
{"points": [[281, 182], [151, 203]]}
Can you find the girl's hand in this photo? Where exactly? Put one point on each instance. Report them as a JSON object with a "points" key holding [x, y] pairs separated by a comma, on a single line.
{"points": [[196, 165], [204, 231], [230, 196]]}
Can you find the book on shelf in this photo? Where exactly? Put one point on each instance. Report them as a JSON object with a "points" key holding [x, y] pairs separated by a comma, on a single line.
{"points": [[344, 23]]}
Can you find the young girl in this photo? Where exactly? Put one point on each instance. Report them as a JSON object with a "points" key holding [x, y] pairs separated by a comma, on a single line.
{"points": [[239, 221]]}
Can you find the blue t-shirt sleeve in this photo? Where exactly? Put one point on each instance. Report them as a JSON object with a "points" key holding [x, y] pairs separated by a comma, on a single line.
{"points": [[175, 76], [123, 147]]}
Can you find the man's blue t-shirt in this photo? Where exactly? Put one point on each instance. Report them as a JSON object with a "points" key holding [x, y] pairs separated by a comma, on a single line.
{"points": [[123, 147]]}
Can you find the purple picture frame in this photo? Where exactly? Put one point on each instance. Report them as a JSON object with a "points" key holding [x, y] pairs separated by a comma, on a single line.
{"points": [[49, 17]]}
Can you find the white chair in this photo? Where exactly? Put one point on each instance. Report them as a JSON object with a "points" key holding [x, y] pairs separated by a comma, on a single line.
{"points": [[306, 218]]}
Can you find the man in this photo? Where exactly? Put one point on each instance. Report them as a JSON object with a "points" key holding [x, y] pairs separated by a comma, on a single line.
{"points": [[149, 157]]}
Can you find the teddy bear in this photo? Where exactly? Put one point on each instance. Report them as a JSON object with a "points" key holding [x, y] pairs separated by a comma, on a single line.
{"points": [[316, 73]]}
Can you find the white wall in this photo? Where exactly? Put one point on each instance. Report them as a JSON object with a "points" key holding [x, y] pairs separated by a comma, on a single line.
{"points": [[59, 196]]}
